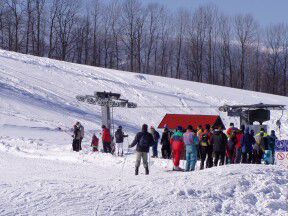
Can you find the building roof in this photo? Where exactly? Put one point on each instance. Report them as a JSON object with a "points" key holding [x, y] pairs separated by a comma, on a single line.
{"points": [[174, 120]]}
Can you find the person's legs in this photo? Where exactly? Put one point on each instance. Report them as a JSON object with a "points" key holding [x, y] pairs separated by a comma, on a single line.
{"points": [[209, 161], [163, 152], [193, 160], [203, 154], [121, 149], [80, 144], [216, 158], [222, 158], [104, 147], [168, 152], [176, 159], [145, 162], [138, 162], [117, 149], [244, 157], [109, 148], [77, 147], [238, 155], [188, 160], [155, 149], [250, 157]]}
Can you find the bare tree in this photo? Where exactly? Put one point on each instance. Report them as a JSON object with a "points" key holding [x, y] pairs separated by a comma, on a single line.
{"points": [[245, 27]]}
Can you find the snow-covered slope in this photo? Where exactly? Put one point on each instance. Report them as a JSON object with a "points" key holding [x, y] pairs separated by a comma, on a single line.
{"points": [[41, 176]]}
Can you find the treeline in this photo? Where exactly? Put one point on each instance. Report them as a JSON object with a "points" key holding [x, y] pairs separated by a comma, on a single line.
{"points": [[204, 45]]}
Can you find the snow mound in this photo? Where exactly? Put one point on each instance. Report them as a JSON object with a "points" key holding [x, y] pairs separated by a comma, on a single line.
{"points": [[41, 187]]}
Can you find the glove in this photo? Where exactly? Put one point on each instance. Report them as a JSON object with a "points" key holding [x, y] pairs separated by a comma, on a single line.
{"points": [[129, 146]]}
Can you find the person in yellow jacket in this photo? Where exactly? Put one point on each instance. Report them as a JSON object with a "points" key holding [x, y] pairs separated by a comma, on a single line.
{"points": [[260, 146]]}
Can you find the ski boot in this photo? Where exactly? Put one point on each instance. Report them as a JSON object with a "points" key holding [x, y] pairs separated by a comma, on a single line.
{"points": [[136, 170], [146, 171]]}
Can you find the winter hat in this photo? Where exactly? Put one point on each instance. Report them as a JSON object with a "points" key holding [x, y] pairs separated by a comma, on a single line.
{"points": [[231, 124], [120, 127], [152, 128], [190, 127], [103, 126], [144, 128], [179, 128], [262, 130], [273, 132]]}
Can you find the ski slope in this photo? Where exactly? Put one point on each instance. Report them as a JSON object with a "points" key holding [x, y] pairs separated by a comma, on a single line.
{"points": [[41, 176]]}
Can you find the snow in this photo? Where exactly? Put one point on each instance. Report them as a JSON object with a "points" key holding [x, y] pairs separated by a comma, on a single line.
{"points": [[40, 175]]}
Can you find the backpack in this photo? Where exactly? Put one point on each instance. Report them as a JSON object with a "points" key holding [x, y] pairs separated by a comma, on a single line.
{"points": [[144, 141], [204, 138]]}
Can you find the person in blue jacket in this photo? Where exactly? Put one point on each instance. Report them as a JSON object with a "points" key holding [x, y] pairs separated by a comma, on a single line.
{"points": [[247, 142], [191, 142], [271, 145]]}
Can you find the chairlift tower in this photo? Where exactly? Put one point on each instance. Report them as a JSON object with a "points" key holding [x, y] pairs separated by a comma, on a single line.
{"points": [[107, 101]]}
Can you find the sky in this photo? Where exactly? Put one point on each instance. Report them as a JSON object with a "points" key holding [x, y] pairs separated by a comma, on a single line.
{"points": [[266, 12]]}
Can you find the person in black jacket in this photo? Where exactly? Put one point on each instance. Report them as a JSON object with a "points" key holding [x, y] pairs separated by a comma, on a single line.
{"points": [[156, 138], [165, 142], [119, 138], [76, 138], [144, 141], [219, 142]]}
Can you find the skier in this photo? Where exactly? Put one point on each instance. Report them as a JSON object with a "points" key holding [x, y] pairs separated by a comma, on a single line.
{"points": [[272, 141], [230, 149], [177, 147], [260, 146], [156, 138], [119, 136], [199, 132], [165, 142], [82, 135], [246, 145], [106, 139], [191, 141], [143, 140], [219, 142], [94, 143], [76, 138], [231, 129], [206, 149], [238, 148]]}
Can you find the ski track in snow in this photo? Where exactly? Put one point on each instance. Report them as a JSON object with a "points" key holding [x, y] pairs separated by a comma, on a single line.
{"points": [[40, 175]]}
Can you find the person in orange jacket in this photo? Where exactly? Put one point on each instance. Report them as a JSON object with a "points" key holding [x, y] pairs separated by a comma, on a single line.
{"points": [[177, 144], [94, 143], [106, 139], [206, 149]]}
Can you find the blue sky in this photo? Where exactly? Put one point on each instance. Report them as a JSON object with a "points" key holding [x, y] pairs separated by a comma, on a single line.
{"points": [[265, 11]]}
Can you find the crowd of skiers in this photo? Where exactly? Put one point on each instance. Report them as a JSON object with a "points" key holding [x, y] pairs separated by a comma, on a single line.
{"points": [[210, 145], [107, 139]]}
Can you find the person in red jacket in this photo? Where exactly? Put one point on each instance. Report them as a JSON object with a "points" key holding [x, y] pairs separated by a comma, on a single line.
{"points": [[238, 147], [177, 144], [231, 129], [94, 143], [106, 139]]}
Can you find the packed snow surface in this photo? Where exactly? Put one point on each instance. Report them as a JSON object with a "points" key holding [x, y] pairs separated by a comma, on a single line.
{"points": [[40, 175]]}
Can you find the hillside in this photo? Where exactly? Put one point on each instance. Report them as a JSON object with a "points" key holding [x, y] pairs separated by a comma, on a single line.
{"points": [[40, 175]]}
